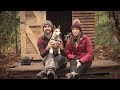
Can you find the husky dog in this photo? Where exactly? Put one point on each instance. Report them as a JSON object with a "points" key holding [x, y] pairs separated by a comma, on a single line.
{"points": [[56, 40]]}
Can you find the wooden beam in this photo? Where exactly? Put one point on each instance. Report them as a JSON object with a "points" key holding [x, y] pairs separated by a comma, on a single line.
{"points": [[41, 16], [22, 16], [23, 34], [38, 16], [32, 38]]}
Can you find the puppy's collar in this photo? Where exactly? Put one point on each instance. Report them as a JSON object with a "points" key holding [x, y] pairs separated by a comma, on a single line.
{"points": [[55, 39]]}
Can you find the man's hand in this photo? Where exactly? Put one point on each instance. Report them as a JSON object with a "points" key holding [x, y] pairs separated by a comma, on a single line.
{"points": [[78, 63], [50, 45]]}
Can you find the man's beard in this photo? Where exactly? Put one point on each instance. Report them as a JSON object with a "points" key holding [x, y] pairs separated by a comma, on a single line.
{"points": [[47, 32]]}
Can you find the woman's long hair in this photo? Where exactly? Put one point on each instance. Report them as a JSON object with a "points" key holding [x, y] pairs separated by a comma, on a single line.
{"points": [[74, 39]]}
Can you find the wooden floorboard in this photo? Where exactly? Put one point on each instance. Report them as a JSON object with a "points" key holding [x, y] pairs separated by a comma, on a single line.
{"points": [[39, 66], [29, 71]]}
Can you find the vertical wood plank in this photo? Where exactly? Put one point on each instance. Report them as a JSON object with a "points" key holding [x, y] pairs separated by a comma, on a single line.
{"points": [[23, 33]]}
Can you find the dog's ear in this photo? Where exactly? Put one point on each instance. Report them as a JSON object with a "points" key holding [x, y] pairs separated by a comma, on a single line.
{"points": [[59, 26], [54, 26]]}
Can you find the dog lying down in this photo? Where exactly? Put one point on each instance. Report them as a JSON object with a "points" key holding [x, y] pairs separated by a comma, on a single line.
{"points": [[55, 40]]}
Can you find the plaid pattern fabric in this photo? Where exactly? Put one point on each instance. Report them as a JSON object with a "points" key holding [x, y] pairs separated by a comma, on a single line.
{"points": [[42, 44]]}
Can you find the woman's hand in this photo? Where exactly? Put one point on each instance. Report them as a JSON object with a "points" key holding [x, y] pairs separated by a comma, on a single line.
{"points": [[78, 63]]}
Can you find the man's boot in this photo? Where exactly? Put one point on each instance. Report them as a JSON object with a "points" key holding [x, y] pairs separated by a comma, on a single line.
{"points": [[75, 76], [41, 75], [69, 76], [50, 74]]}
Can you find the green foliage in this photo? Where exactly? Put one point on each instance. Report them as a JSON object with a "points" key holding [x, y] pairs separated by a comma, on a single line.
{"points": [[104, 32], [9, 24]]}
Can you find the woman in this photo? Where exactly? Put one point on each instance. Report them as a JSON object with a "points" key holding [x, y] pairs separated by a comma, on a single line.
{"points": [[79, 51]]}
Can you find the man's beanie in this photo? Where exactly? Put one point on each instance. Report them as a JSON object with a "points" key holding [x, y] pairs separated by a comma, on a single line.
{"points": [[47, 22], [76, 24]]}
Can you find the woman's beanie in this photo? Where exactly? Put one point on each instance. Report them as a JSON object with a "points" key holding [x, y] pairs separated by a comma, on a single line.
{"points": [[76, 24], [47, 22]]}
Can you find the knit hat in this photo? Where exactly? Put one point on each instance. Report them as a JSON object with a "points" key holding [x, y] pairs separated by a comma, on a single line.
{"points": [[47, 22], [76, 24]]}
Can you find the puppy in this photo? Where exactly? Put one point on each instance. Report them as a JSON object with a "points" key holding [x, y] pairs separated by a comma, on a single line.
{"points": [[56, 40]]}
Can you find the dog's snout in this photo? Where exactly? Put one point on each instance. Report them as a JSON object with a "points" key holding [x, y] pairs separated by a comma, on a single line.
{"points": [[58, 33]]}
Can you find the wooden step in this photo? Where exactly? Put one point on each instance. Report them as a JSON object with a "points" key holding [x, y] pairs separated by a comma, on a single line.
{"points": [[29, 71], [36, 66]]}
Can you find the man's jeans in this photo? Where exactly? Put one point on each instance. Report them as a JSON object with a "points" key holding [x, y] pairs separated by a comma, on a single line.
{"points": [[54, 61]]}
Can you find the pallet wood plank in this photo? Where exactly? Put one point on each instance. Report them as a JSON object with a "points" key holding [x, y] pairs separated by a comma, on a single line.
{"points": [[32, 38], [23, 34]]}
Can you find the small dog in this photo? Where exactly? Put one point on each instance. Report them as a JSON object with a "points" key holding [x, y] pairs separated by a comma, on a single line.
{"points": [[56, 40]]}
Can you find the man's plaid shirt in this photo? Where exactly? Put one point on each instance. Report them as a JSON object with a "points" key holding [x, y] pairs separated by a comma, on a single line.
{"points": [[42, 44]]}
